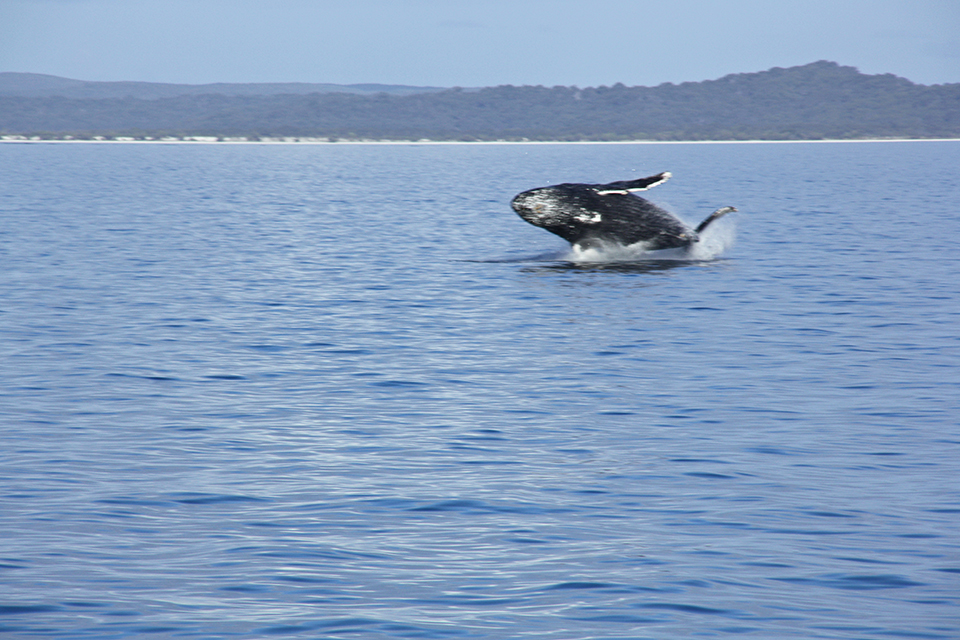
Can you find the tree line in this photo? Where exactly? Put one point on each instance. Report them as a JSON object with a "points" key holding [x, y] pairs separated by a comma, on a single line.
{"points": [[822, 100]]}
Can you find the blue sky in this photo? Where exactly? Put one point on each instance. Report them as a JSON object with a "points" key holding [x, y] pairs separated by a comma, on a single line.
{"points": [[479, 43]]}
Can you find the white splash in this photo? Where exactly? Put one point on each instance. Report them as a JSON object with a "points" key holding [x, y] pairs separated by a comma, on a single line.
{"points": [[718, 238]]}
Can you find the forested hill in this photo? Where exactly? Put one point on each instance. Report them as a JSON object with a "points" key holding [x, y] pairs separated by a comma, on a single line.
{"points": [[815, 101]]}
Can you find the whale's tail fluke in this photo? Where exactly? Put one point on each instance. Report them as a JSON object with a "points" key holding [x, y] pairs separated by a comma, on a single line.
{"points": [[716, 215]]}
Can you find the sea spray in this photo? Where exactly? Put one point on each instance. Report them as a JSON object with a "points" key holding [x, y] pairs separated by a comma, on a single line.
{"points": [[714, 241]]}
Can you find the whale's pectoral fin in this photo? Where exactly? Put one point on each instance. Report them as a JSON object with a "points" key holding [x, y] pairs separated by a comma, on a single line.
{"points": [[629, 186], [716, 215]]}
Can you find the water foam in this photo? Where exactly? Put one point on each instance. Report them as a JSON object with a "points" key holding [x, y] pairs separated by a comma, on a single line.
{"points": [[714, 241]]}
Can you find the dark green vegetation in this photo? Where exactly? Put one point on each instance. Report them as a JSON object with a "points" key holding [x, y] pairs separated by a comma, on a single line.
{"points": [[814, 101]]}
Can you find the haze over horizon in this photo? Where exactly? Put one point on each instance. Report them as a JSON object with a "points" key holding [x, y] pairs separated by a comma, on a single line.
{"points": [[444, 44]]}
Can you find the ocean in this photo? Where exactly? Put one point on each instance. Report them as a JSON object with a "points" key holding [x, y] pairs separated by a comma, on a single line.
{"points": [[343, 391]]}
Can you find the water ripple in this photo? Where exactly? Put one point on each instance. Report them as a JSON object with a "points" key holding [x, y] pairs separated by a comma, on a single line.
{"points": [[341, 391]]}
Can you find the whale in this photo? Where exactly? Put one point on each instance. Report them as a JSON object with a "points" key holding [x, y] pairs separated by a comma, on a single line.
{"points": [[592, 216]]}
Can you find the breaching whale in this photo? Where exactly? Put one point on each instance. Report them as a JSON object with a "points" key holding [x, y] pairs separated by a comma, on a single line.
{"points": [[594, 215]]}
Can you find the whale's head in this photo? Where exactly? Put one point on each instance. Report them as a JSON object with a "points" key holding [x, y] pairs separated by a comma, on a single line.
{"points": [[563, 209], [543, 207], [550, 207]]}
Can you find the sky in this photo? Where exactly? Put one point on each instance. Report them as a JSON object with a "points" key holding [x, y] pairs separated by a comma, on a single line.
{"points": [[447, 43]]}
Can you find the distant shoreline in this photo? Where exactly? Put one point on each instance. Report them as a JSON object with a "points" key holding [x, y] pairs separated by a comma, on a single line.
{"points": [[820, 101], [309, 142]]}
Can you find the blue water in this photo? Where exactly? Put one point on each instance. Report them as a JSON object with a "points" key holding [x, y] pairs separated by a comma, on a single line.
{"points": [[342, 391]]}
